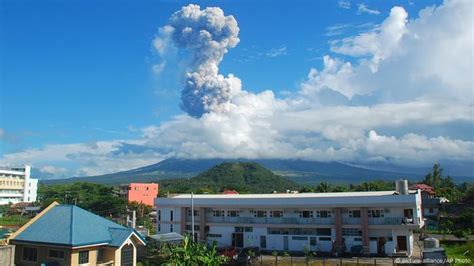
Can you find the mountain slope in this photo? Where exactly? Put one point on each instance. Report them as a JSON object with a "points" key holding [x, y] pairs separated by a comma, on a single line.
{"points": [[300, 171], [244, 177]]}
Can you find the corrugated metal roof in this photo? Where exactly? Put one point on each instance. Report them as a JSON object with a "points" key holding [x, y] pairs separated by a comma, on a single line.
{"points": [[72, 226]]}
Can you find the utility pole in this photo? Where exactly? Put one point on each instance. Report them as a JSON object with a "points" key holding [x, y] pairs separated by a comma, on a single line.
{"points": [[192, 215], [134, 219]]}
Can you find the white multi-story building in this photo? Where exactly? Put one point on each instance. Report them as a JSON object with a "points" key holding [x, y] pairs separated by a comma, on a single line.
{"points": [[16, 185], [376, 222]]}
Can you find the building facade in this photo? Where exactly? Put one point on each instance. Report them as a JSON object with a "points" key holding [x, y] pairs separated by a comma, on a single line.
{"points": [[140, 192], [374, 222], [16, 185]]}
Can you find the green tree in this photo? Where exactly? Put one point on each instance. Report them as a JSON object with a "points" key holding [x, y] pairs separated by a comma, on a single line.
{"points": [[323, 187], [192, 253]]}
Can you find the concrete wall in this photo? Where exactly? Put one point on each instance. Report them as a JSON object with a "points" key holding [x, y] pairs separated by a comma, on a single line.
{"points": [[7, 255]]}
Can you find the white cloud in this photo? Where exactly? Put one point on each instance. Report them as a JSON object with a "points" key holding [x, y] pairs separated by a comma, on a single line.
{"points": [[79, 159], [363, 8], [275, 52], [344, 4], [158, 68], [379, 43]]}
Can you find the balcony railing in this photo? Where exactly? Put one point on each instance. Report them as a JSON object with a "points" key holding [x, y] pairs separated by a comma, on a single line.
{"points": [[392, 221], [269, 220]]}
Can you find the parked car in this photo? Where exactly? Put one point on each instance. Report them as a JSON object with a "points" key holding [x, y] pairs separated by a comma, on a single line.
{"points": [[229, 252], [247, 255]]}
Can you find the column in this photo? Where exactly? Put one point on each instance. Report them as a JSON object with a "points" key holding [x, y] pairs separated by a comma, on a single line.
{"points": [[338, 222], [184, 214], [364, 218], [202, 224]]}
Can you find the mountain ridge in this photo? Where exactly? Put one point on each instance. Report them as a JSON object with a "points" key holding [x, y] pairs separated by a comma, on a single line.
{"points": [[300, 171]]}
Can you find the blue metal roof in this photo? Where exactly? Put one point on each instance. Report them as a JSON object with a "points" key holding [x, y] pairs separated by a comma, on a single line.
{"points": [[72, 226]]}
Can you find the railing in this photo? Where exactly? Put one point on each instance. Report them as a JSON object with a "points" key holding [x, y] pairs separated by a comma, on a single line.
{"points": [[269, 220], [351, 221], [392, 221]]}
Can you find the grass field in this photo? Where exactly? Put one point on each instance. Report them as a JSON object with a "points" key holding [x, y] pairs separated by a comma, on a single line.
{"points": [[13, 220], [460, 254]]}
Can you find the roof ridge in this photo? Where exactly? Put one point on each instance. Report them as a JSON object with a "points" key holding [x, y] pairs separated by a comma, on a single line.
{"points": [[72, 225]]}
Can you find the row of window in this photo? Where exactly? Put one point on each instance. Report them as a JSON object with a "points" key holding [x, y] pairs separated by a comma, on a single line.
{"points": [[12, 182], [299, 231], [31, 255]]}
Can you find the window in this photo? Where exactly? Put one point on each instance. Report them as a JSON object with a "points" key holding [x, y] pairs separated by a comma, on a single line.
{"points": [[260, 214], [218, 213], [214, 235], [159, 215], [248, 229], [56, 254], [312, 241], [306, 214], [372, 238], [323, 231], [431, 210], [30, 254], [100, 255], [323, 214], [239, 229], [351, 232], [171, 228], [233, 213], [324, 239], [159, 228], [300, 238], [376, 213], [276, 214], [171, 216], [357, 239], [354, 213], [84, 257], [196, 213], [190, 227]]}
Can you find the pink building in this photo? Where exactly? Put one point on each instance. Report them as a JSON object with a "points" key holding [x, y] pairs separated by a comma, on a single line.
{"points": [[140, 192]]}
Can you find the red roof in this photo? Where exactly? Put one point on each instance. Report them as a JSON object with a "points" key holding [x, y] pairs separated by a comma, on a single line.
{"points": [[230, 192], [424, 188]]}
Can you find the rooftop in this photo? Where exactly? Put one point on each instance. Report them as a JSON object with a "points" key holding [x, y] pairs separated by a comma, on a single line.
{"points": [[70, 225], [285, 195]]}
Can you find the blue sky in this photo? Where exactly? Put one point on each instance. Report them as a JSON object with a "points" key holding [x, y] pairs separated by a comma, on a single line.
{"points": [[81, 72]]}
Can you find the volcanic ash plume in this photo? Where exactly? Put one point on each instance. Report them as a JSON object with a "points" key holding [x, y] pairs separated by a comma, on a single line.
{"points": [[206, 34]]}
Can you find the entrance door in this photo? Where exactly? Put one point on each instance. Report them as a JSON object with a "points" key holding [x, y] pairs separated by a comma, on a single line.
{"points": [[402, 243], [263, 242], [238, 240], [381, 245], [285, 242]]}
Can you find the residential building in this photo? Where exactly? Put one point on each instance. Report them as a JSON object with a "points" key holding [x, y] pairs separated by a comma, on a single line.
{"points": [[379, 222], [16, 185], [69, 235], [430, 203], [140, 192]]}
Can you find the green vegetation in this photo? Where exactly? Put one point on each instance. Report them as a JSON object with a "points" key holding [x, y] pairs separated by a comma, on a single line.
{"points": [[460, 252], [16, 220], [243, 177], [185, 253], [457, 217], [96, 198]]}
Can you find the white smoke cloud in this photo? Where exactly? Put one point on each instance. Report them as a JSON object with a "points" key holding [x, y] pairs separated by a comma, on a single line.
{"points": [[207, 35]]}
